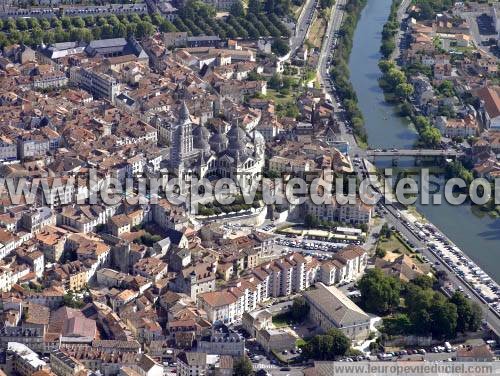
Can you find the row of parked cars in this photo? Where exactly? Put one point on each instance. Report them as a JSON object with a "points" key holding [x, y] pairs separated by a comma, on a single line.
{"points": [[308, 245]]}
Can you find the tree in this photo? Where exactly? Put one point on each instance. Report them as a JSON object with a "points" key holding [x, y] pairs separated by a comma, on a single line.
{"points": [[380, 252], [3, 40], [446, 88], [33, 23], [10, 24], [444, 319], [89, 20], [441, 275], [166, 26], [275, 82], [430, 137], [386, 65], [328, 346], [476, 317], [70, 300], [385, 231], [22, 24], [243, 367], [44, 24], [55, 22], [395, 76], [156, 18], [119, 31], [149, 239], [387, 47], [78, 22], [254, 6], [66, 22], [144, 29], [311, 221], [469, 313], [423, 281], [269, 6], [405, 109], [456, 169], [398, 324], [404, 90], [237, 9], [380, 293], [280, 47], [426, 11], [300, 309], [326, 3], [254, 76]]}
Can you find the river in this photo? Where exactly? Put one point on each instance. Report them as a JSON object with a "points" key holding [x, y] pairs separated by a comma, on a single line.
{"points": [[478, 237]]}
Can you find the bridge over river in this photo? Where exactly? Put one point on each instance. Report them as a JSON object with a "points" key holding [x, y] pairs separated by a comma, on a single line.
{"points": [[419, 155], [448, 153]]}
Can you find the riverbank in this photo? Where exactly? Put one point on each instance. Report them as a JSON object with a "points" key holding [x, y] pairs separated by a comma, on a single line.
{"points": [[390, 30], [363, 63], [340, 72], [456, 259], [477, 237]]}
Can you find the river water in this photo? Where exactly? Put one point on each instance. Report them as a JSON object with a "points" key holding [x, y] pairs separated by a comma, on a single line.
{"points": [[478, 237]]}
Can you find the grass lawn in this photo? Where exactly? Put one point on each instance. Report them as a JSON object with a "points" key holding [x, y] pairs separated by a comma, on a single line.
{"points": [[300, 342], [296, 10], [279, 98], [393, 245], [282, 320], [317, 31]]}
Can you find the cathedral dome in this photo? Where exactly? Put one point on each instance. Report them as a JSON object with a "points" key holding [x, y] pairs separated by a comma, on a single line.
{"points": [[218, 142], [237, 142], [236, 133], [200, 138]]}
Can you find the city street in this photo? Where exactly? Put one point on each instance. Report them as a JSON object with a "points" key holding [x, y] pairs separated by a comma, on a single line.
{"points": [[394, 218], [303, 24]]}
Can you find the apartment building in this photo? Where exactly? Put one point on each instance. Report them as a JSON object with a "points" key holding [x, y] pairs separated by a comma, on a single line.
{"points": [[8, 149], [64, 365], [222, 342], [220, 306], [192, 364], [5, 279], [100, 85], [356, 214], [281, 277], [25, 361], [84, 218], [347, 265], [51, 241], [50, 80]]}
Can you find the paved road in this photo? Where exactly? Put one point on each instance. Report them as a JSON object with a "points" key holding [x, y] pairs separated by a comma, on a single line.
{"points": [[393, 217], [303, 24], [327, 48], [329, 42], [470, 17], [401, 12]]}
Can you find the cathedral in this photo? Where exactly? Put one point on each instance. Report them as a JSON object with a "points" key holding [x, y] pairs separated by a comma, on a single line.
{"points": [[196, 151]]}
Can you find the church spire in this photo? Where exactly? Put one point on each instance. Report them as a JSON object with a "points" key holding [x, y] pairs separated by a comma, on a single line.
{"points": [[184, 113]]}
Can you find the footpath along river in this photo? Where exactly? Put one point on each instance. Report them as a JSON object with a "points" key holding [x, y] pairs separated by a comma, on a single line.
{"points": [[478, 237]]}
